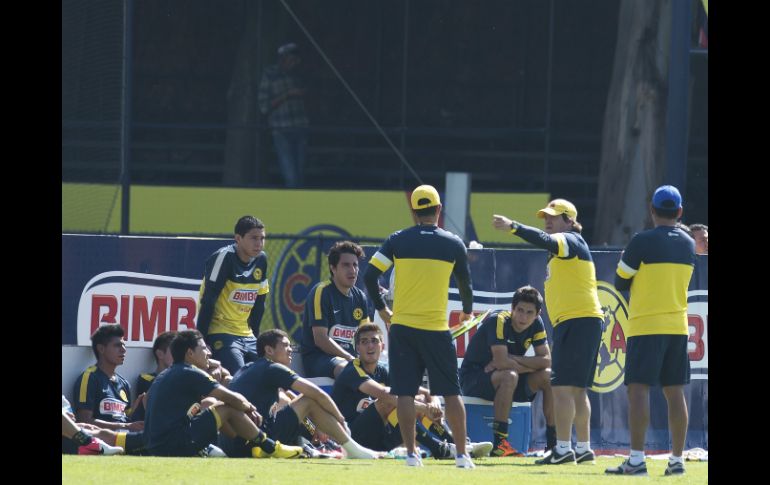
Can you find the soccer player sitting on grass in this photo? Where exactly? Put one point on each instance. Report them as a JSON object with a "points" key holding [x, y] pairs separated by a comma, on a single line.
{"points": [[261, 382], [102, 395], [178, 423], [362, 393], [87, 444], [163, 360], [494, 367]]}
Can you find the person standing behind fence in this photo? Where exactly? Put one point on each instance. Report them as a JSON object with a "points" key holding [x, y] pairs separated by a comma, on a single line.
{"points": [[232, 296], [657, 266], [281, 97], [572, 299], [425, 257]]}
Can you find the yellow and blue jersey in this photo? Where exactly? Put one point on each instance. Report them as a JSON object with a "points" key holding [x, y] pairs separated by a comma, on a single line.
{"points": [[107, 398], [143, 383], [657, 266], [346, 393], [232, 294], [424, 257], [327, 307], [496, 329], [570, 282]]}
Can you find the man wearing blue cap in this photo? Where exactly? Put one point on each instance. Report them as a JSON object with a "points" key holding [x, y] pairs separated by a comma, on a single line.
{"points": [[657, 265]]}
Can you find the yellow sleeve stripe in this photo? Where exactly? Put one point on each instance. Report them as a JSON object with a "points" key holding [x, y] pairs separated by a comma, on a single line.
{"points": [[500, 325], [357, 367], [317, 300], [380, 262], [263, 288], [539, 336], [563, 246], [84, 383], [148, 377], [120, 439], [216, 416], [625, 271], [392, 418]]}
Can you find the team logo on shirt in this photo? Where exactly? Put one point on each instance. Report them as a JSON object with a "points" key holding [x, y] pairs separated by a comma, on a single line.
{"points": [[111, 406], [244, 297], [257, 274], [358, 314], [123, 395], [611, 361]]}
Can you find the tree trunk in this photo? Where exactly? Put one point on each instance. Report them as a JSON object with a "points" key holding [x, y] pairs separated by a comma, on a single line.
{"points": [[242, 105], [633, 137]]}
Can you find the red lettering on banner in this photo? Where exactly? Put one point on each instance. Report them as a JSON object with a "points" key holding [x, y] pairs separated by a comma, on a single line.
{"points": [[140, 320], [617, 338], [696, 337], [186, 304], [99, 301], [148, 321]]}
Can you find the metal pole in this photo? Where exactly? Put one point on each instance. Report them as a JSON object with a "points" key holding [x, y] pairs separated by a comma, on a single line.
{"points": [[549, 87], [405, 57], [258, 116], [678, 90], [125, 122]]}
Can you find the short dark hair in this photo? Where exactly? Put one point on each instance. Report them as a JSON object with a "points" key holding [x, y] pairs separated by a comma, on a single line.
{"points": [[527, 294], [162, 341], [699, 227], [246, 224], [344, 247], [184, 340], [666, 213], [366, 327], [576, 226], [104, 334], [684, 228], [269, 338], [428, 211]]}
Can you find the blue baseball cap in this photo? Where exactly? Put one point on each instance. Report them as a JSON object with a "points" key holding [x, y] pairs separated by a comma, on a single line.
{"points": [[667, 197]]}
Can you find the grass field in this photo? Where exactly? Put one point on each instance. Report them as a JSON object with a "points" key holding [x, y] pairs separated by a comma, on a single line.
{"points": [[150, 470]]}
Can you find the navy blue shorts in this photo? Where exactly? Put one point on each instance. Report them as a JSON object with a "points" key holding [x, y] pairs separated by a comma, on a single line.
{"points": [[320, 364], [657, 360], [284, 426], [477, 383], [232, 351], [575, 347], [368, 430], [412, 351], [199, 432]]}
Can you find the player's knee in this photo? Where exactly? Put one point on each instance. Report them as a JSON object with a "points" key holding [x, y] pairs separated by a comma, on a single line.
{"points": [[508, 379]]}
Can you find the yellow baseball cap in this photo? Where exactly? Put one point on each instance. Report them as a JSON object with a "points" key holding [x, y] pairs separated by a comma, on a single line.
{"points": [[557, 207], [425, 196]]}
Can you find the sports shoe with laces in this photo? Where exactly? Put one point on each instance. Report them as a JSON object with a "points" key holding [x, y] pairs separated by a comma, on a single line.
{"points": [[626, 468], [480, 449], [99, 447], [504, 448], [281, 451], [676, 468], [554, 458], [464, 461], [587, 456], [413, 459]]}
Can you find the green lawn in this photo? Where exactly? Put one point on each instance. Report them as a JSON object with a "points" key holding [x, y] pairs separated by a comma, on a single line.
{"points": [[499, 471]]}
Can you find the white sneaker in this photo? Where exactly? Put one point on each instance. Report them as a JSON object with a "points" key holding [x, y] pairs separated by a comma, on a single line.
{"points": [[464, 461], [213, 451], [99, 447], [480, 449], [413, 460]]}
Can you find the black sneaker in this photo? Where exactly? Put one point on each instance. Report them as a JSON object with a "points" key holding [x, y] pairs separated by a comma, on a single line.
{"points": [[676, 468], [555, 458], [626, 468], [587, 456]]}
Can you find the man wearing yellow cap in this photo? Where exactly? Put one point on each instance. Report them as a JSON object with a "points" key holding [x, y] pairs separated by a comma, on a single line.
{"points": [[425, 256], [572, 301]]}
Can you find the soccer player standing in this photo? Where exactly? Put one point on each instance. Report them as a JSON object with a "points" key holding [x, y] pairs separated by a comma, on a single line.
{"points": [[657, 266], [425, 256], [572, 299], [232, 296]]}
